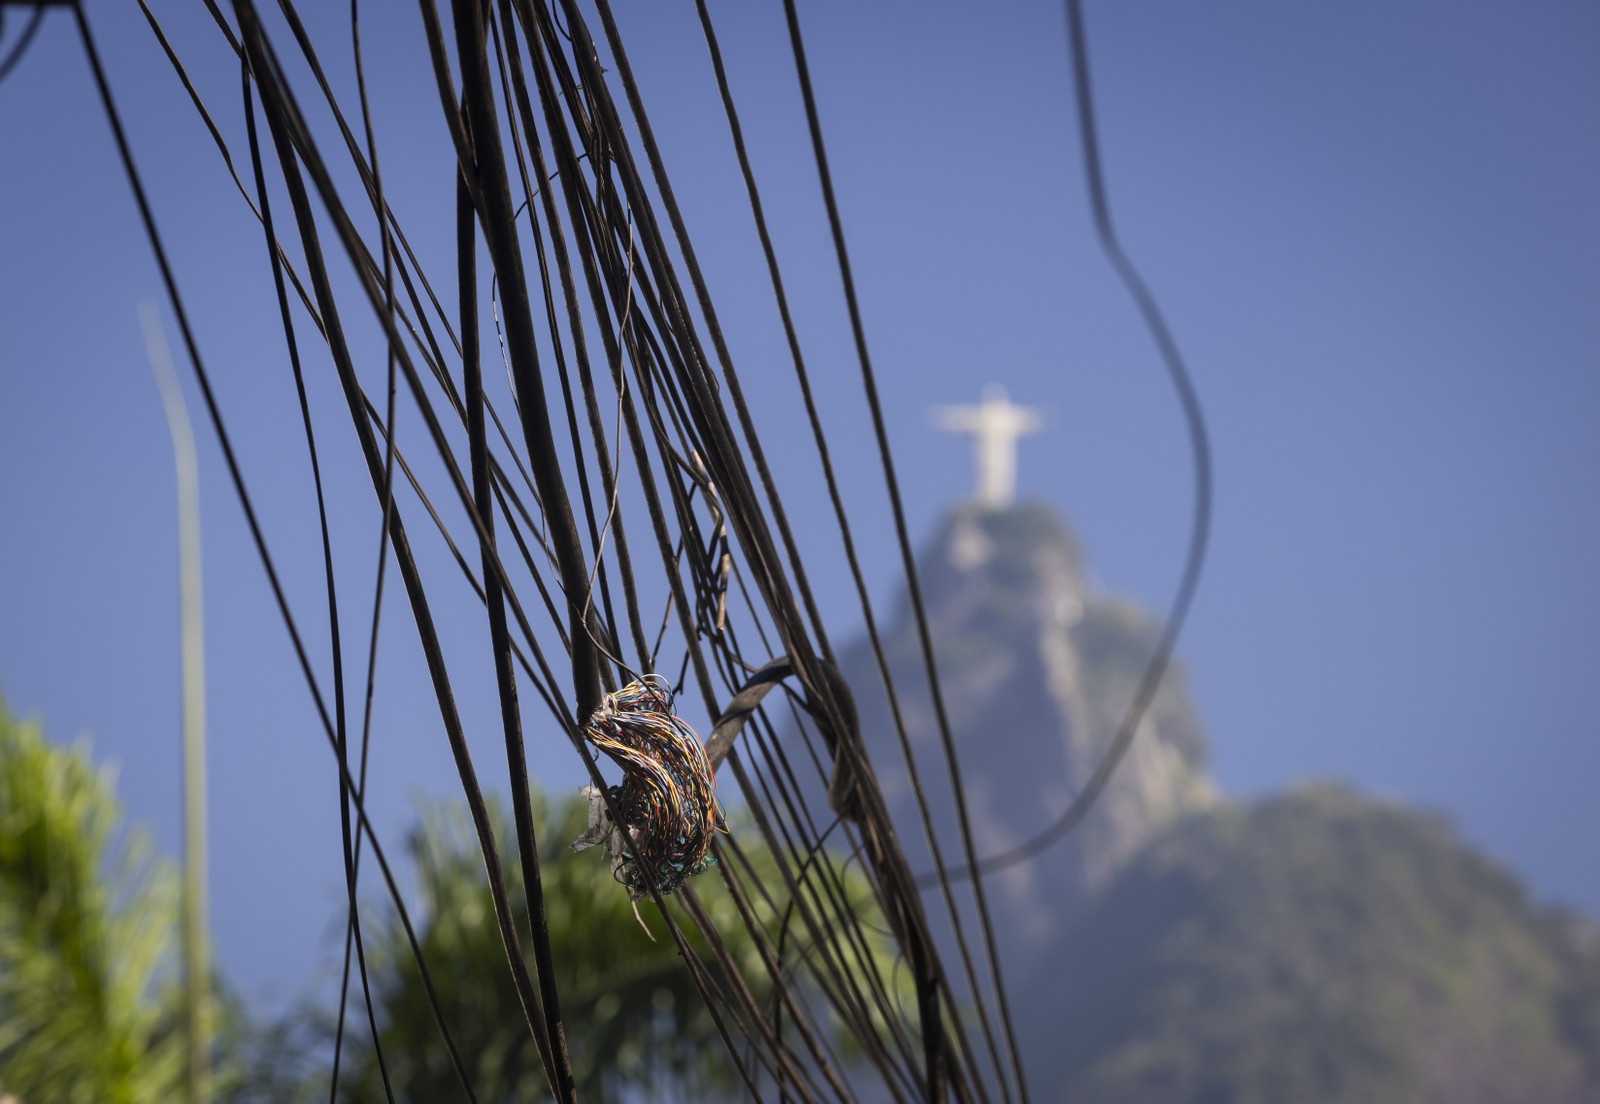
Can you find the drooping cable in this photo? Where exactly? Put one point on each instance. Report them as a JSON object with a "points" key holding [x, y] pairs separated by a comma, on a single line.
{"points": [[13, 56], [706, 492], [1200, 451]]}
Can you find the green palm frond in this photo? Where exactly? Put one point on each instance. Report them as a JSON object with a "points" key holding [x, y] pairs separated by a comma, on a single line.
{"points": [[86, 926]]}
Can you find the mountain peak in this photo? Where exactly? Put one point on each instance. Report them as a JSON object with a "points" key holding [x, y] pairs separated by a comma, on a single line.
{"points": [[1037, 673]]}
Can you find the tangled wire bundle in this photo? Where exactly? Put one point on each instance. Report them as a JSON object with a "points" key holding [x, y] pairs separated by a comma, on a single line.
{"points": [[667, 798]]}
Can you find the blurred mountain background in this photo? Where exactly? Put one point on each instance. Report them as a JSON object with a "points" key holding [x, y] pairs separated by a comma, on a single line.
{"points": [[1312, 946]]}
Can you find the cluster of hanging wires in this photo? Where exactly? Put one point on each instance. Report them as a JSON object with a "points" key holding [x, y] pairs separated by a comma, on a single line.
{"points": [[613, 511]]}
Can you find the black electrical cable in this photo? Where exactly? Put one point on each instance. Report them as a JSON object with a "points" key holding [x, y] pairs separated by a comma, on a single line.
{"points": [[1200, 447], [25, 39], [703, 499], [281, 117]]}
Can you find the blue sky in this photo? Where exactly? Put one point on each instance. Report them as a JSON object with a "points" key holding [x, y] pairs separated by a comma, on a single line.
{"points": [[1373, 228]]}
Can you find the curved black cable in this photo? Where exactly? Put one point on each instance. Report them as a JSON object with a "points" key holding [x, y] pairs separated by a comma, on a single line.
{"points": [[24, 40], [1194, 421], [383, 536]]}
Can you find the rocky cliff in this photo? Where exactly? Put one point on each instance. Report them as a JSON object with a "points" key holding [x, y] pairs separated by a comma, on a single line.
{"points": [[1037, 672]]}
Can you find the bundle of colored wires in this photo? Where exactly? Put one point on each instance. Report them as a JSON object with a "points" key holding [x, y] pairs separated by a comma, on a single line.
{"points": [[667, 798]]}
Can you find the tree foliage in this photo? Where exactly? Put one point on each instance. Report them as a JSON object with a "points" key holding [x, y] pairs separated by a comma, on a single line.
{"points": [[87, 1015], [637, 1021]]}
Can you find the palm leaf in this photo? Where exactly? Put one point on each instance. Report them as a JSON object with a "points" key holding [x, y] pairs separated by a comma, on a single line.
{"points": [[86, 922]]}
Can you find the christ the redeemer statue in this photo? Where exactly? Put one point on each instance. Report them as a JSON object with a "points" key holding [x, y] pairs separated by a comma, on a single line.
{"points": [[995, 425]]}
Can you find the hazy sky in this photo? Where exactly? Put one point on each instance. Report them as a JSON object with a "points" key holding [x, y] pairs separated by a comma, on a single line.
{"points": [[1374, 228]]}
